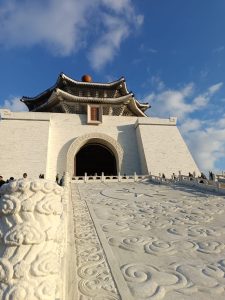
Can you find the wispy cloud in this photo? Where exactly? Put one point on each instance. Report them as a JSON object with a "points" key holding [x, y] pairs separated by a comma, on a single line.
{"points": [[116, 28], [215, 88], [14, 104], [107, 46], [169, 101], [205, 137], [219, 49], [64, 26], [181, 102], [206, 141], [147, 49]]}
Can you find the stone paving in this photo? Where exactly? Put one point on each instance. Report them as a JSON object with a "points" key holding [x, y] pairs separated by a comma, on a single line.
{"points": [[143, 241]]}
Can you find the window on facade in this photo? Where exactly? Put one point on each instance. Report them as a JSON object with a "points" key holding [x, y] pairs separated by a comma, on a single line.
{"points": [[94, 113]]}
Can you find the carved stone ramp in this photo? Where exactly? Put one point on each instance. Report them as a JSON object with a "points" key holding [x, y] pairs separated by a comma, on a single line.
{"points": [[143, 241]]}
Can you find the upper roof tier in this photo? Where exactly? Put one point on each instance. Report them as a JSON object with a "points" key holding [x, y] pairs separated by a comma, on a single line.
{"points": [[71, 96]]}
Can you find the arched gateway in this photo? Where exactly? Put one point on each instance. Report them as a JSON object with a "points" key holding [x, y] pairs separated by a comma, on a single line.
{"points": [[94, 153]]}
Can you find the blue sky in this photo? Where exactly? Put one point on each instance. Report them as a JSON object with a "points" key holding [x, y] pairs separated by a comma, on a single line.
{"points": [[172, 54]]}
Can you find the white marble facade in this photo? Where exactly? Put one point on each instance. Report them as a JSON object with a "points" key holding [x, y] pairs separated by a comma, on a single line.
{"points": [[40, 143]]}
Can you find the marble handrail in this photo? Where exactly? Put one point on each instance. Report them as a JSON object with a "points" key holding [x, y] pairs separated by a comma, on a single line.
{"points": [[114, 178], [32, 231], [203, 184]]}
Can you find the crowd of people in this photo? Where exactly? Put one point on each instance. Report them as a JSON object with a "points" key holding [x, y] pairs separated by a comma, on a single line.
{"points": [[41, 176], [202, 176], [2, 181]]}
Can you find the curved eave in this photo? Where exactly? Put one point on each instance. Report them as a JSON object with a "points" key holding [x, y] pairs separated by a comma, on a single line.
{"points": [[69, 97], [127, 99], [142, 106], [59, 95], [99, 84], [38, 100], [40, 96], [134, 108]]}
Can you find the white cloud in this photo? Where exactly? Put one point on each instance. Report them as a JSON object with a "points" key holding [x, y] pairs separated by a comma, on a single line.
{"points": [[204, 73], [172, 102], [14, 104], [219, 49], [215, 88], [221, 122], [65, 26], [116, 29], [205, 138], [190, 125], [157, 83], [207, 145], [180, 102], [200, 101], [117, 5], [146, 49], [107, 46]]}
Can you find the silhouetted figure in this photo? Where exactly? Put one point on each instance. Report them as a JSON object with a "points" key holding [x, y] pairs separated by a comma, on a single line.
{"points": [[190, 176], [203, 176], [10, 179], [57, 178], [163, 176], [210, 175], [62, 180], [1, 181]]}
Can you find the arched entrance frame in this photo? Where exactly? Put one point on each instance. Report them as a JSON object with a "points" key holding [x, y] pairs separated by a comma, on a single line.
{"points": [[99, 138]]}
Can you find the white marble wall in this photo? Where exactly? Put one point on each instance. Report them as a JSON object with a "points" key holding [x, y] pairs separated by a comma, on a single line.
{"points": [[38, 143], [163, 148], [23, 144]]}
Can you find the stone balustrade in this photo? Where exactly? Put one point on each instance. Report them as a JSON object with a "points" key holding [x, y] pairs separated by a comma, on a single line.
{"points": [[200, 183], [105, 178], [33, 239]]}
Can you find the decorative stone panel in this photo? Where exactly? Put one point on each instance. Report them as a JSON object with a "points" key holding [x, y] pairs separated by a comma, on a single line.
{"points": [[32, 240]]}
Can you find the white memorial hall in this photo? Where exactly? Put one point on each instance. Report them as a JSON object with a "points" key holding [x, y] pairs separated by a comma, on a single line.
{"points": [[127, 222]]}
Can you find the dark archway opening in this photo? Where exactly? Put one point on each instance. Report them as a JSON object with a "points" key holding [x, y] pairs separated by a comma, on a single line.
{"points": [[94, 159]]}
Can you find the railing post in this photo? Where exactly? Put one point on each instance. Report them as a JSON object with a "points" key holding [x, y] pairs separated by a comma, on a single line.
{"points": [[103, 177], [85, 177], [179, 176], [119, 177]]}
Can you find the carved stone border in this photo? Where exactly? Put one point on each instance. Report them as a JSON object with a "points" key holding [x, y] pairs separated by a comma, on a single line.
{"points": [[94, 137], [94, 277], [32, 240]]}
